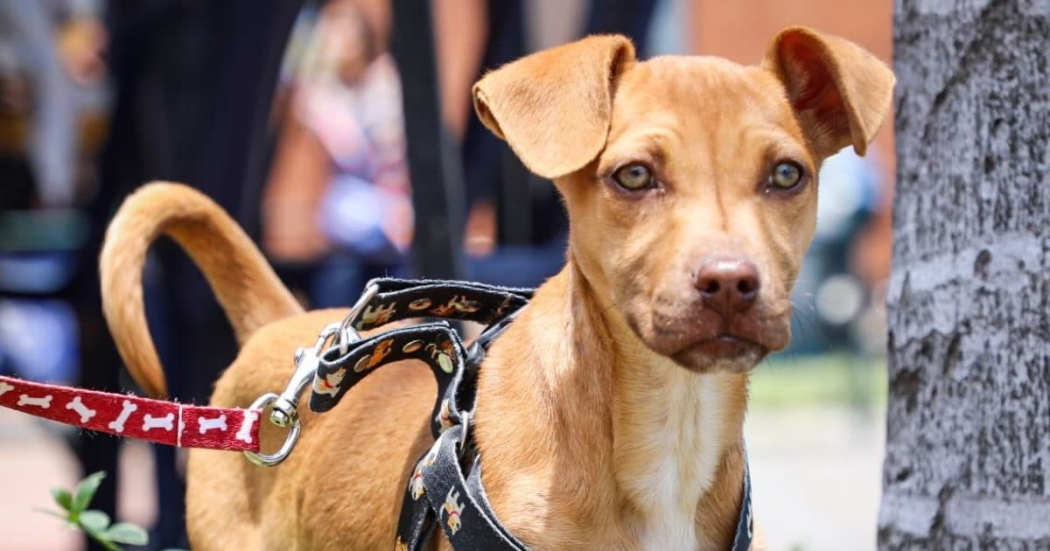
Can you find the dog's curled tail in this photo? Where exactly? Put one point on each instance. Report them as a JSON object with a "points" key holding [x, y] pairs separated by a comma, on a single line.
{"points": [[247, 288]]}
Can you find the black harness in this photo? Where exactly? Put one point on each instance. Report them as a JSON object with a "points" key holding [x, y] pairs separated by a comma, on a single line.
{"points": [[446, 484]]}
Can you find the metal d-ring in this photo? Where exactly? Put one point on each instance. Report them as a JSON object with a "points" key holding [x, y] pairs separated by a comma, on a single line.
{"points": [[464, 417], [347, 333], [269, 460]]}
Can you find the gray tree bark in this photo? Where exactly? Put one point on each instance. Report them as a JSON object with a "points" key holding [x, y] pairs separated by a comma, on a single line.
{"points": [[968, 439]]}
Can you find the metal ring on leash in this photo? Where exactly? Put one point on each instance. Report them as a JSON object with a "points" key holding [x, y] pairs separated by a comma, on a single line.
{"points": [[269, 460]]}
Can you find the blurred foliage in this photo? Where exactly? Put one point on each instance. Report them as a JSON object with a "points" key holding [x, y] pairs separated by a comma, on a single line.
{"points": [[820, 380], [96, 524]]}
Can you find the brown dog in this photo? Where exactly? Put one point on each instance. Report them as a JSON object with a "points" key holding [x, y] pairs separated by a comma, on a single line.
{"points": [[610, 413]]}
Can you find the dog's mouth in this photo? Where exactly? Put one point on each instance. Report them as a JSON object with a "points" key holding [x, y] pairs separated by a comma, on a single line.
{"points": [[704, 342], [725, 350]]}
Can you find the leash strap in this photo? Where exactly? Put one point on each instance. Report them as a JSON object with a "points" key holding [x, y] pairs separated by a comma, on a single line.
{"points": [[169, 423]]}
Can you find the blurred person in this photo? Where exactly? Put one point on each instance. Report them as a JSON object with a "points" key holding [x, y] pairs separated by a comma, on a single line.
{"points": [[329, 253], [193, 83], [515, 232], [26, 34], [49, 68], [51, 102], [337, 209]]}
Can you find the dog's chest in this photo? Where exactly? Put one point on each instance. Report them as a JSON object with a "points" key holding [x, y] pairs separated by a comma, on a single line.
{"points": [[670, 456]]}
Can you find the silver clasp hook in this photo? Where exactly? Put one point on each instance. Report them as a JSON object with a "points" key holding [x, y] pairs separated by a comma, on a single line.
{"points": [[306, 362], [284, 407]]}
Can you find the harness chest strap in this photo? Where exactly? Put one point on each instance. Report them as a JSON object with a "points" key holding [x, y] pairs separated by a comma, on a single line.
{"points": [[157, 421], [438, 491], [445, 487]]}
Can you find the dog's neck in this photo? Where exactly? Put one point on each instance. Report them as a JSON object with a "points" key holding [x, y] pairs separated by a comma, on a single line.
{"points": [[640, 447]]}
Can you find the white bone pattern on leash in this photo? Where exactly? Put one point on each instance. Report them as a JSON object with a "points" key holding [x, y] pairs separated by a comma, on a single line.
{"points": [[166, 422], [118, 425], [78, 406], [209, 424], [244, 434], [27, 400], [121, 415]]}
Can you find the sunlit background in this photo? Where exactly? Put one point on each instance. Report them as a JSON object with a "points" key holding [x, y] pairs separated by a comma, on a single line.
{"points": [[294, 120]]}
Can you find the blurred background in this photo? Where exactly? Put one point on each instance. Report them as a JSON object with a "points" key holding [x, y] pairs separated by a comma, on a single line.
{"points": [[341, 135]]}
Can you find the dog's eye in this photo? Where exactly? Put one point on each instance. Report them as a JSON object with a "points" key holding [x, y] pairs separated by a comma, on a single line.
{"points": [[634, 177], [786, 175]]}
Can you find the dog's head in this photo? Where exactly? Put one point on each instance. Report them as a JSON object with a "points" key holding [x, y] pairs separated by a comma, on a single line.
{"points": [[691, 182]]}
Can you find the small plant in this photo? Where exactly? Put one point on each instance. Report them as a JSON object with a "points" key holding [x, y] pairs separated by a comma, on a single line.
{"points": [[94, 523]]}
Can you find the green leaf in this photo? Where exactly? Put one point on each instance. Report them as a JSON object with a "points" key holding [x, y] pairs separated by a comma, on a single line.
{"points": [[94, 520], [62, 497], [123, 532], [86, 491]]}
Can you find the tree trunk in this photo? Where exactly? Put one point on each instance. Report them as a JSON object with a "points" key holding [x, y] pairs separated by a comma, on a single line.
{"points": [[968, 439]]}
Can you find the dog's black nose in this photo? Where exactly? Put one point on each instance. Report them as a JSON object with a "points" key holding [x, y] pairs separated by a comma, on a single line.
{"points": [[728, 285]]}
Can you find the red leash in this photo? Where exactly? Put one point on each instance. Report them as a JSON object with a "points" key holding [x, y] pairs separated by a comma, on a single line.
{"points": [[157, 421]]}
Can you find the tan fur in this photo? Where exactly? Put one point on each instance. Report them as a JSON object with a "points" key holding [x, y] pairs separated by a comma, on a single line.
{"points": [[599, 424], [818, 71], [249, 291]]}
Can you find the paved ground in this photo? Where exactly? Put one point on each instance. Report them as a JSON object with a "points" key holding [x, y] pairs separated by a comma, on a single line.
{"points": [[817, 477], [33, 459], [815, 472]]}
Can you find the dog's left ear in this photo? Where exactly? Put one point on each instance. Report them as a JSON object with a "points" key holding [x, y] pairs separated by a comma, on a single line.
{"points": [[554, 107], [840, 91]]}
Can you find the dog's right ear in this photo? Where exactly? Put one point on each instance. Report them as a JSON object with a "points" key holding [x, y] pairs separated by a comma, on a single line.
{"points": [[554, 107]]}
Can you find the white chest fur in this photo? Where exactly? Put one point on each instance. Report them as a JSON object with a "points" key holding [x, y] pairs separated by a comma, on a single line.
{"points": [[668, 447]]}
